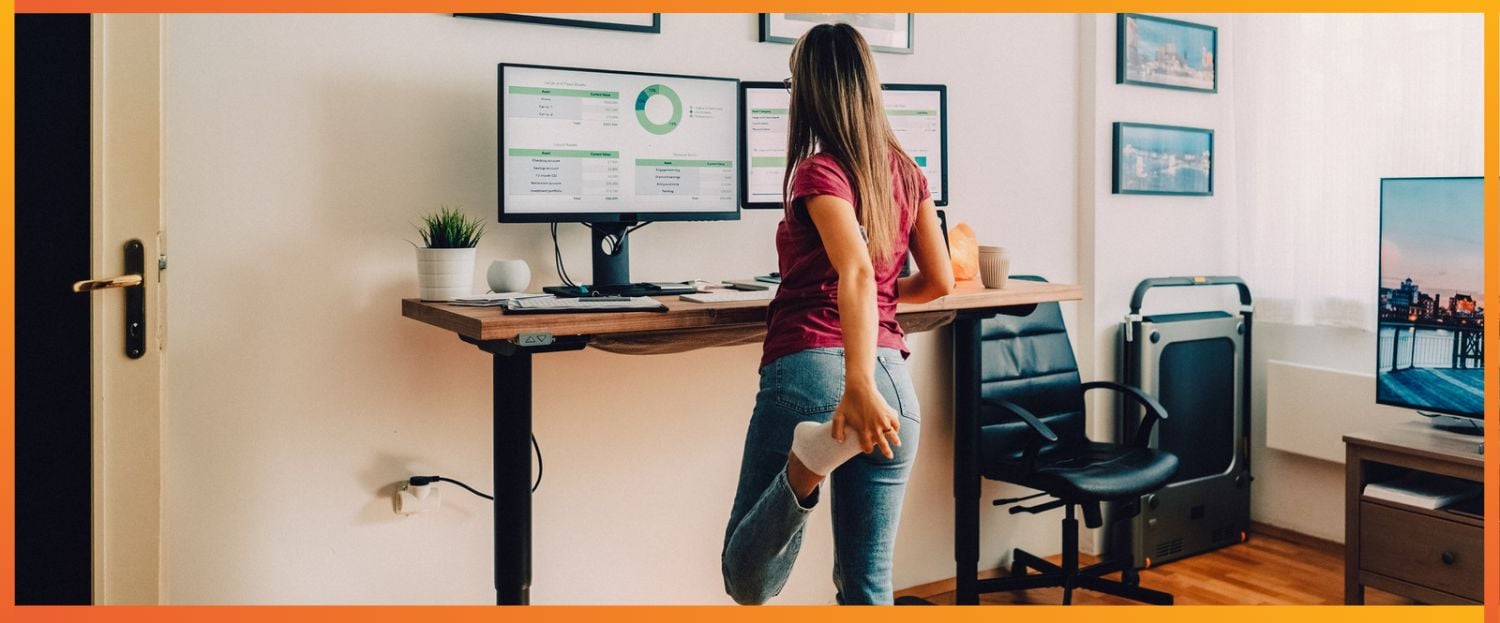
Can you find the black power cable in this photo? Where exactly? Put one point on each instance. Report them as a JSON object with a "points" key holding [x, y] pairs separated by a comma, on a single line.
{"points": [[418, 481]]}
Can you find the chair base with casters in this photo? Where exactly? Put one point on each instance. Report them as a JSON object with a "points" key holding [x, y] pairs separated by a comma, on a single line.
{"points": [[1068, 575]]}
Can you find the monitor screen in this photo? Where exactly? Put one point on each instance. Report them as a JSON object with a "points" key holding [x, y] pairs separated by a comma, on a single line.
{"points": [[1431, 303], [612, 146], [918, 117]]}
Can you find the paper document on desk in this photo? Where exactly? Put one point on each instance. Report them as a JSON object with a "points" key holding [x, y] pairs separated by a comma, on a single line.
{"points": [[495, 299], [1429, 491], [582, 304]]}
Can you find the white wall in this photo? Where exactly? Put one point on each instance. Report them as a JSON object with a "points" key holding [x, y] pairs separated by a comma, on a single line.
{"points": [[1123, 239], [297, 150], [1126, 238], [1439, 133]]}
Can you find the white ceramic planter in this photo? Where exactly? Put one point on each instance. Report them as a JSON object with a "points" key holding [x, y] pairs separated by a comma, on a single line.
{"points": [[445, 274]]}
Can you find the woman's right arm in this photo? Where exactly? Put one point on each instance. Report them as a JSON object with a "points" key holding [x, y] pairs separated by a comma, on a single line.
{"points": [[934, 276], [862, 410]]}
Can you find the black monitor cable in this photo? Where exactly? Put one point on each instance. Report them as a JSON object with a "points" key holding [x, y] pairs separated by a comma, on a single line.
{"points": [[612, 242], [418, 481], [562, 272], [632, 229]]}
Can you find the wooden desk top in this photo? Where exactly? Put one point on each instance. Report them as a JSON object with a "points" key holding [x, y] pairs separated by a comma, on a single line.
{"points": [[489, 323]]}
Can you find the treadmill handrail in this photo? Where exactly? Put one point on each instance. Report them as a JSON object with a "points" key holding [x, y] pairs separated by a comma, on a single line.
{"points": [[1163, 282]]}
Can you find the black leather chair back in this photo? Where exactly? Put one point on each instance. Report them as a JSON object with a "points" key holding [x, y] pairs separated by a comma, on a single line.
{"points": [[1029, 360]]}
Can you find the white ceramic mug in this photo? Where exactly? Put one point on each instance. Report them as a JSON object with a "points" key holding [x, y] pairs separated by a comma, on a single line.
{"points": [[508, 276], [994, 266]]}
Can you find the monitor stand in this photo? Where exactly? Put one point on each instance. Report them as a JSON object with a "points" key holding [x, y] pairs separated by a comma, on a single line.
{"points": [[1455, 424], [612, 270]]}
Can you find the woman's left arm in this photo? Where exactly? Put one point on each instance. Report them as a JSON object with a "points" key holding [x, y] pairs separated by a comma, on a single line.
{"points": [[934, 276]]}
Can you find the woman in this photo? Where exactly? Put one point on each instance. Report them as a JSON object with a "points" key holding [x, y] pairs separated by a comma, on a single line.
{"points": [[834, 384]]}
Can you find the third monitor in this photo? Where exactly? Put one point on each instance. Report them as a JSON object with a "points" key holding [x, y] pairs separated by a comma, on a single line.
{"points": [[918, 114]]}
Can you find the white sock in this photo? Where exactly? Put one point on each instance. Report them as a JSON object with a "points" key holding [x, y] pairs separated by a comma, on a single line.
{"points": [[814, 445]]}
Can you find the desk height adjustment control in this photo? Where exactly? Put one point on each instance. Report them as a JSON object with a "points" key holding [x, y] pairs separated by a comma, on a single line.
{"points": [[539, 338]]}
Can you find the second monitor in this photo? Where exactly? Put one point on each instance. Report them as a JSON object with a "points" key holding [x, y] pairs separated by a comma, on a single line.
{"points": [[918, 114]]}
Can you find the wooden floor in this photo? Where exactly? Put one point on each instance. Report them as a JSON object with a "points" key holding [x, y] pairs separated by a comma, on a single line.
{"points": [[1263, 570]]}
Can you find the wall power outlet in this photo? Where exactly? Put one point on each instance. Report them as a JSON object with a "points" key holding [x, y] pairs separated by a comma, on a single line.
{"points": [[414, 499]]}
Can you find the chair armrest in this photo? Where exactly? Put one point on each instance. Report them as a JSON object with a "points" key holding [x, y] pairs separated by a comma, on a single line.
{"points": [[1044, 433], [1154, 410], [1033, 421]]}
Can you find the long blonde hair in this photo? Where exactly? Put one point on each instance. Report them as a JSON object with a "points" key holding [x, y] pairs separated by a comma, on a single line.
{"points": [[836, 109]]}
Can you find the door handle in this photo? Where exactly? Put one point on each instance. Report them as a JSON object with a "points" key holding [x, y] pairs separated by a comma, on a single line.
{"points": [[123, 281], [135, 296]]}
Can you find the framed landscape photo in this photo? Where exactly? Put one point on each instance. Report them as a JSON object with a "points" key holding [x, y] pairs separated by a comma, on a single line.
{"points": [[1166, 53], [1163, 160], [885, 32], [633, 22]]}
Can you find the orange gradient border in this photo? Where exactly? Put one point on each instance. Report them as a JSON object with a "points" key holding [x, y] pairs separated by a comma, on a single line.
{"points": [[8, 313], [741, 6], [1492, 295], [662, 614]]}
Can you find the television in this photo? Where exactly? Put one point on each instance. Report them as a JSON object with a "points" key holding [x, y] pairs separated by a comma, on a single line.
{"points": [[918, 114], [613, 149], [1430, 353]]}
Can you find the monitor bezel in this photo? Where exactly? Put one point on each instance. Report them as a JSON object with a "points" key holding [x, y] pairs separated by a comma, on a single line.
{"points": [[1379, 274], [605, 217], [746, 85]]}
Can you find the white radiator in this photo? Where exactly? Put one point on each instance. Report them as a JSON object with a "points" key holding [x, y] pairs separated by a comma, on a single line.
{"points": [[1310, 409]]}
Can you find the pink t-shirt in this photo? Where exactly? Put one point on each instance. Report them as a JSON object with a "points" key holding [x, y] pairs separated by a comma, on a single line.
{"points": [[805, 312]]}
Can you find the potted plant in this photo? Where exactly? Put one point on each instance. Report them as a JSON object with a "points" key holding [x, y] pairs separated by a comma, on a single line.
{"points": [[445, 261]]}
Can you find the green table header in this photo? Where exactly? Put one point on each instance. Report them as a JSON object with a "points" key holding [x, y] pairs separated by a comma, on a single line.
{"points": [[564, 153], [565, 92], [648, 162]]}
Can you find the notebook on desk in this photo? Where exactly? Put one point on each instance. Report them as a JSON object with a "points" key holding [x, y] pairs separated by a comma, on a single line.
{"points": [[582, 305], [494, 299]]}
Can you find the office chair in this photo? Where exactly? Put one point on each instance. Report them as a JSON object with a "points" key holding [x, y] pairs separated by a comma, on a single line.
{"points": [[1030, 431]]}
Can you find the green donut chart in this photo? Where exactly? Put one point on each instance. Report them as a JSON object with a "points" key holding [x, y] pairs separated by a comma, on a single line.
{"points": [[640, 109]]}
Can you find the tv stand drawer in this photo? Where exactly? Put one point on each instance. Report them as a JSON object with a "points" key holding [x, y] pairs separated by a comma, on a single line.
{"points": [[1436, 553]]}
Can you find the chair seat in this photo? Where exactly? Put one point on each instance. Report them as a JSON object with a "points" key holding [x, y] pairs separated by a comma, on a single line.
{"points": [[1091, 471]]}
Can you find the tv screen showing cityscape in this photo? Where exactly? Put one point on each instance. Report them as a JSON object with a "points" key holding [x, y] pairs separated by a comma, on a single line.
{"points": [[1431, 329]]}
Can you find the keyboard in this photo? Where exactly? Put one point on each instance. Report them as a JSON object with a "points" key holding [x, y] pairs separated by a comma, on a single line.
{"points": [[582, 304], [730, 296]]}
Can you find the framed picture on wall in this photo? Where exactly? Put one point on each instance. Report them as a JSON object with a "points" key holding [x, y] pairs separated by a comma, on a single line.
{"points": [[1163, 160], [1166, 53], [885, 32], [633, 22]]}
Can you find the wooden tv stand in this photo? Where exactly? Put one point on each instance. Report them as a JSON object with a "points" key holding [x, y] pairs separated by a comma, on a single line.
{"points": [[1430, 556]]}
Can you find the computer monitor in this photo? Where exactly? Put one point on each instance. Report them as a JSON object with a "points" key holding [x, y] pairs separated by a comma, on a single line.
{"points": [[918, 114], [1430, 342], [616, 148]]}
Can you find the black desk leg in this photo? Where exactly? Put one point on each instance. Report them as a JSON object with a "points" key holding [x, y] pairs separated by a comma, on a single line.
{"points": [[966, 458], [512, 449]]}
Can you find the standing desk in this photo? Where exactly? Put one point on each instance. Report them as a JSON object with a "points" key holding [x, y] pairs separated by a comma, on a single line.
{"points": [[513, 339]]}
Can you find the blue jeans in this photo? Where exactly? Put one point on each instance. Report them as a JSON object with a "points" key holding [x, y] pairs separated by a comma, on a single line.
{"points": [[765, 525]]}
